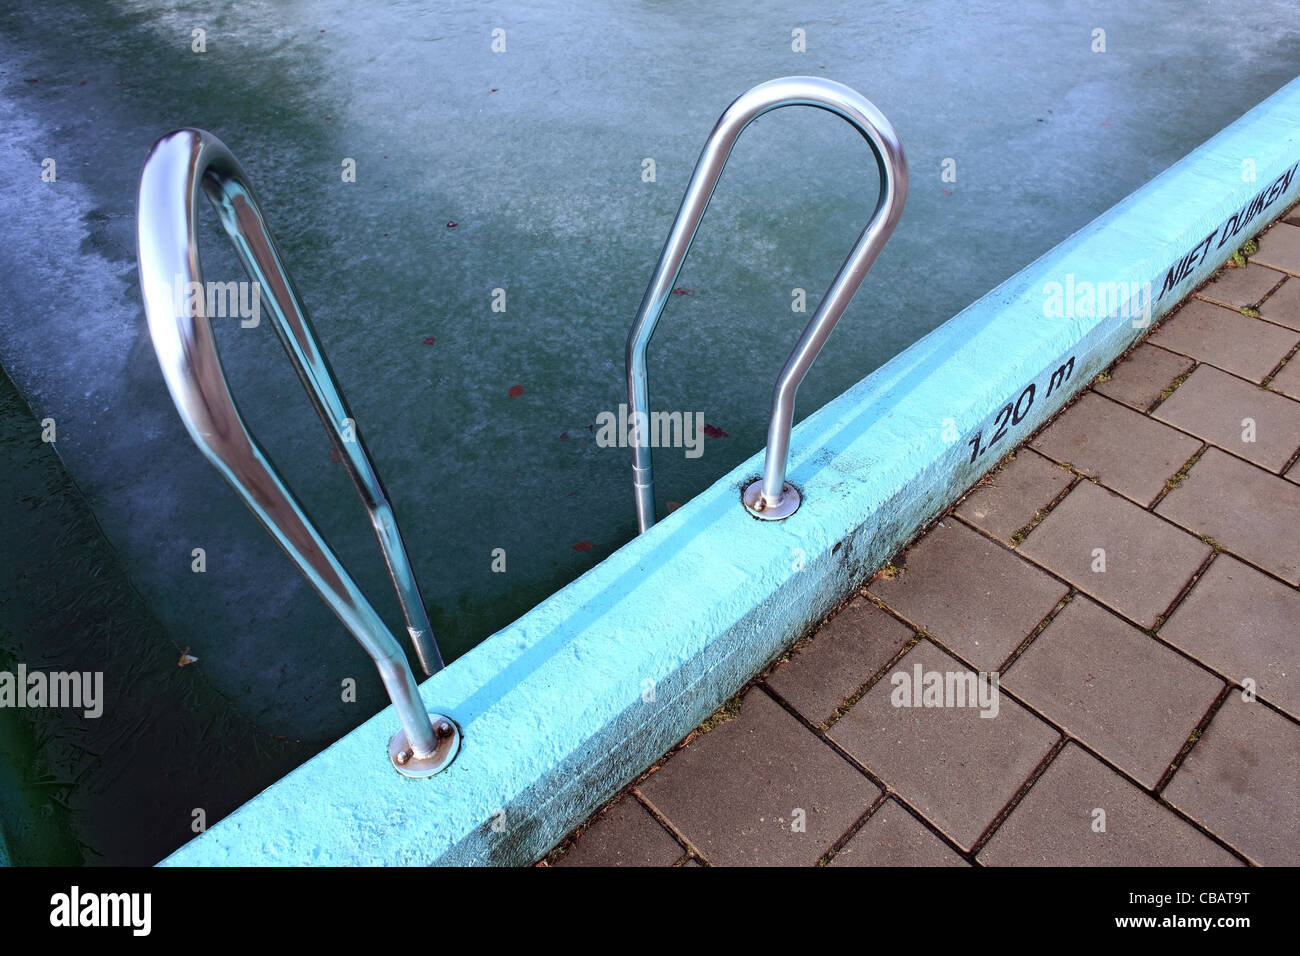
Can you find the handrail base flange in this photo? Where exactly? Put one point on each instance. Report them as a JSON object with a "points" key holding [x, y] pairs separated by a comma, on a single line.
{"points": [[789, 503], [408, 764]]}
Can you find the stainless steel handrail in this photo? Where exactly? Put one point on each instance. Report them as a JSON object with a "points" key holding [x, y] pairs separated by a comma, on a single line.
{"points": [[178, 166], [770, 497]]}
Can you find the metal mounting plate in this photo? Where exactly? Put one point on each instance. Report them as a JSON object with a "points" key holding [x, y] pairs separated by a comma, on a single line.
{"points": [[752, 496], [408, 765]]}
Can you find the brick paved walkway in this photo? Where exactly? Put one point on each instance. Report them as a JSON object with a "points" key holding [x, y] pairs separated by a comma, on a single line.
{"points": [[1130, 574]]}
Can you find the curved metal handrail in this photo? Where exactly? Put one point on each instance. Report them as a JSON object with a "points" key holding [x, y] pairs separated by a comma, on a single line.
{"points": [[179, 164], [770, 497]]}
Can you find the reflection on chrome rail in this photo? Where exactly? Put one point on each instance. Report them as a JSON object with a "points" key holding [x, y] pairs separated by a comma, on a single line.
{"points": [[178, 166], [770, 497]]}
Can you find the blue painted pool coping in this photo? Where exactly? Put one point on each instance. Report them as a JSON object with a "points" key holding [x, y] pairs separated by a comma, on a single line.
{"points": [[570, 702]]}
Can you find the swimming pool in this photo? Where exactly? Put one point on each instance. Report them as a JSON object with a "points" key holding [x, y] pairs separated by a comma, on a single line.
{"points": [[537, 155]]}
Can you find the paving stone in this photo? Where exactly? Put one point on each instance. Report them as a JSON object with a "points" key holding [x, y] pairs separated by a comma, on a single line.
{"points": [[1244, 624], [1120, 691], [1241, 779], [1294, 472], [1241, 286], [1140, 378], [1126, 450], [841, 657], [956, 767], [1215, 405], [1235, 343], [733, 792], [626, 835], [1054, 825], [1279, 248], [976, 597], [1283, 306], [1245, 509], [1287, 381], [1147, 561], [1010, 498], [893, 837]]}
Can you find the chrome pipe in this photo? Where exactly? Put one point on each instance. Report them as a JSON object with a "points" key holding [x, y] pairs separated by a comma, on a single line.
{"points": [[178, 166], [769, 497]]}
